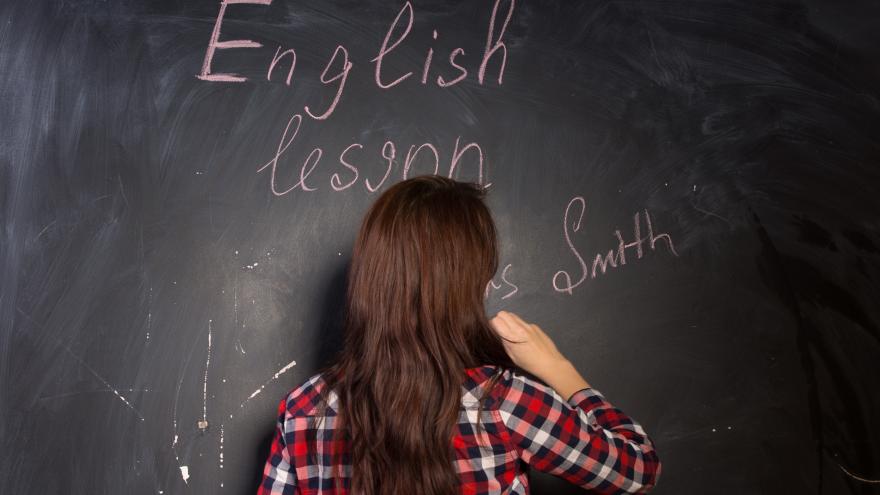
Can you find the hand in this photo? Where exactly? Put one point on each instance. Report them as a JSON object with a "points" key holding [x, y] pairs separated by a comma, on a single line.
{"points": [[532, 350], [527, 345]]}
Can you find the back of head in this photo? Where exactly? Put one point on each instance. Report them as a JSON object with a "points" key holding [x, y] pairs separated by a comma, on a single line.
{"points": [[414, 321]]}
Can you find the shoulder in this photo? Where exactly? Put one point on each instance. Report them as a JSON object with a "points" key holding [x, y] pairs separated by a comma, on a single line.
{"points": [[307, 397], [510, 385]]}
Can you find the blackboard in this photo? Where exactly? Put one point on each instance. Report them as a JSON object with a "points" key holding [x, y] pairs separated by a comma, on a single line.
{"points": [[686, 195]]}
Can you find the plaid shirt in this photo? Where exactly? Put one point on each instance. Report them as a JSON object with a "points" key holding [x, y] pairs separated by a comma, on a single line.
{"points": [[585, 440]]}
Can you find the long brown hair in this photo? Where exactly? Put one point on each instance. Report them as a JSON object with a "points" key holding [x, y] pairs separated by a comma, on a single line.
{"points": [[414, 321]]}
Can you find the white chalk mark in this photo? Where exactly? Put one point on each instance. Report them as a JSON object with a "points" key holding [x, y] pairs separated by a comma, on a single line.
{"points": [[205, 384], [105, 382], [654, 50], [184, 472], [859, 478], [122, 190], [711, 214], [150, 313], [81, 392], [280, 372], [235, 301], [177, 457], [44, 230], [221, 446], [86, 366], [175, 438]]}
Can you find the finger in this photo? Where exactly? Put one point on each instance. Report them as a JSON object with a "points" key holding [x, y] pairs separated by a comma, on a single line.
{"points": [[509, 331], [512, 323], [520, 321], [500, 325]]}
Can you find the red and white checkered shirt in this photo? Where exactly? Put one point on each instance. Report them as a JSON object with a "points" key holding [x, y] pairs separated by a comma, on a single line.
{"points": [[585, 440]]}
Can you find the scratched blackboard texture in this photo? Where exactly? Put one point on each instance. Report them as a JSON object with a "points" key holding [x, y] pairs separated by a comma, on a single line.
{"points": [[174, 249]]}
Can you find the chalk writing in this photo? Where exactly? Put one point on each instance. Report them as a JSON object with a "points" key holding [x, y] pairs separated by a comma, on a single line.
{"points": [[215, 43], [340, 66], [388, 153], [495, 48], [504, 281], [562, 281]]}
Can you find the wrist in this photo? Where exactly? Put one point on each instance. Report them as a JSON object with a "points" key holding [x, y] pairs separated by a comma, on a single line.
{"points": [[564, 378]]}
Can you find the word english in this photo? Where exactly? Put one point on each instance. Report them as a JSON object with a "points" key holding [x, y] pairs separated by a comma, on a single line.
{"points": [[340, 57]]}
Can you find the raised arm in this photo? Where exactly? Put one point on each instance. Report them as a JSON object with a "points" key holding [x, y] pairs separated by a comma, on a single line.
{"points": [[584, 438]]}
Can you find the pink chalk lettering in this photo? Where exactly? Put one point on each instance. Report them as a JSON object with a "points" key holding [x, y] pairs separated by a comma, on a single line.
{"points": [[282, 148], [410, 156], [407, 7], [456, 156], [428, 61], [610, 259], [303, 175], [335, 181], [603, 263], [492, 47], [442, 82], [621, 247], [660, 236], [390, 159], [613, 258], [277, 58], [568, 287], [215, 43], [492, 285], [346, 66]]}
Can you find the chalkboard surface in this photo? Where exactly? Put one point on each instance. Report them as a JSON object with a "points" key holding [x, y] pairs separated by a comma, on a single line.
{"points": [[686, 194]]}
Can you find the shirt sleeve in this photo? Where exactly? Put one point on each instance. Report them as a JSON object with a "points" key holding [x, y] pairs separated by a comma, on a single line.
{"points": [[279, 477], [585, 439]]}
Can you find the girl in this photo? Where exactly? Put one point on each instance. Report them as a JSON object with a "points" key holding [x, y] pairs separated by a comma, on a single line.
{"points": [[427, 395]]}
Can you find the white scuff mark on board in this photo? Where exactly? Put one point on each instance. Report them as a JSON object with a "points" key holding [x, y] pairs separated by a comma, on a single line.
{"points": [[105, 382], [99, 391], [858, 478], [204, 423], [150, 313], [280, 372], [86, 366], [184, 473], [235, 301], [184, 470], [221, 446]]}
